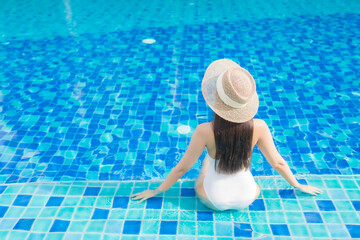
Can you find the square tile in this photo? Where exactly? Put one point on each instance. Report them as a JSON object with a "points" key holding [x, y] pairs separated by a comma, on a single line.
{"points": [[60, 226], [100, 213], [131, 227], [24, 224], [168, 227], [280, 229]]}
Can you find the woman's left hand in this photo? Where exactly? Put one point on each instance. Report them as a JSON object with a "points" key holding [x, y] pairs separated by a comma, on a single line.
{"points": [[145, 195]]}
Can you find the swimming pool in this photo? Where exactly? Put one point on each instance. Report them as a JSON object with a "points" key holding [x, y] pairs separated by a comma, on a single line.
{"points": [[85, 103]]}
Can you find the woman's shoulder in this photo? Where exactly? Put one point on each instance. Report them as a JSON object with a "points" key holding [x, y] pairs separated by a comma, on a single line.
{"points": [[259, 123]]}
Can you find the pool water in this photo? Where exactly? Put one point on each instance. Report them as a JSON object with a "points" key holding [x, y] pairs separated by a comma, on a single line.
{"points": [[90, 113]]}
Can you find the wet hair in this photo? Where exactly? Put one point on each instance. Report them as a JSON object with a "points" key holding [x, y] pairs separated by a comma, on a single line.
{"points": [[233, 144]]}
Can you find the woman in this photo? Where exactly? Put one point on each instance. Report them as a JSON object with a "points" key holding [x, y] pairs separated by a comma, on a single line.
{"points": [[225, 181]]}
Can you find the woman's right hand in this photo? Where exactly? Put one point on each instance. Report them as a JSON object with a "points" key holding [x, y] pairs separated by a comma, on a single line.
{"points": [[309, 189]]}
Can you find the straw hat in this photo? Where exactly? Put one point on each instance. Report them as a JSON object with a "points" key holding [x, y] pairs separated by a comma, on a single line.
{"points": [[230, 91]]}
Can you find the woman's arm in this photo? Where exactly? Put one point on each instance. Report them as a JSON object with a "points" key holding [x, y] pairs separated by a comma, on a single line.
{"points": [[267, 147], [193, 152]]}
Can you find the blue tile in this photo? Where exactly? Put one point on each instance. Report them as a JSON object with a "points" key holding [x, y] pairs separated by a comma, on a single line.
{"points": [[59, 226], [313, 217], [154, 203], [3, 210], [54, 201], [187, 192], [257, 205], [100, 214], [92, 191], [2, 188], [354, 230], [131, 227], [120, 202], [356, 205], [22, 200], [24, 224], [326, 205], [242, 230], [168, 227], [204, 216], [287, 193], [280, 229]]}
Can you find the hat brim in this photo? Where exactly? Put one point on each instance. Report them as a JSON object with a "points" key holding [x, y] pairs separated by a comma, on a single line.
{"points": [[208, 88]]}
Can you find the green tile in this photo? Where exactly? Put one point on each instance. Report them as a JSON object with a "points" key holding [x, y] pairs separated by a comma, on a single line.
{"points": [[117, 214], [205, 228], [291, 205], [331, 217], [65, 212], [60, 190], [152, 214], [150, 227], [14, 212], [257, 217], [49, 212], [87, 201], [187, 228], [308, 205], [350, 217], [42, 225], [261, 228], [95, 226], [298, 230], [71, 201], [295, 217], [134, 214], [83, 213], [31, 212], [276, 216], [169, 215], [104, 202], [273, 204], [343, 205], [77, 226], [187, 215], [318, 230]]}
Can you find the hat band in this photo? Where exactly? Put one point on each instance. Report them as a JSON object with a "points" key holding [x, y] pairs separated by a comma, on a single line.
{"points": [[225, 98]]}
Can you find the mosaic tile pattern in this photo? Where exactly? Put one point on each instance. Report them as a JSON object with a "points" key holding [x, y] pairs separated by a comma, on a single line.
{"points": [[105, 106], [72, 210]]}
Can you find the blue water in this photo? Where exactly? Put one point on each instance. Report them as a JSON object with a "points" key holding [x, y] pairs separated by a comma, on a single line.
{"points": [[83, 99]]}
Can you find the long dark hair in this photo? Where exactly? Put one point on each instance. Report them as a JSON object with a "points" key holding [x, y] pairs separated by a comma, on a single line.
{"points": [[233, 144]]}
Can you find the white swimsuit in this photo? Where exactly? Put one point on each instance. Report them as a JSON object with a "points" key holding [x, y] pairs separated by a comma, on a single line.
{"points": [[225, 191]]}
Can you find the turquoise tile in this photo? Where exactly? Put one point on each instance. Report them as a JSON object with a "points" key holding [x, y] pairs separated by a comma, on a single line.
{"points": [[38, 201], [54, 236], [48, 212], [243, 216], [87, 201], [205, 228], [188, 215], [14, 212], [13, 189], [83, 213], [4, 234], [338, 194], [187, 228], [95, 226], [349, 184], [224, 229], [270, 193], [28, 189], [117, 214], [276, 216], [114, 226], [223, 216], [308, 205], [258, 217], [60, 190], [76, 191], [71, 201], [187, 184], [172, 192], [134, 214], [104, 202], [169, 215], [152, 214], [31, 212], [273, 204], [77, 226], [353, 194], [295, 217], [150, 227], [17, 235], [65, 212], [188, 203], [42, 225], [298, 230], [107, 191], [331, 217], [318, 230], [261, 228], [343, 205], [290, 205], [171, 203], [338, 231], [350, 217], [7, 199], [92, 236], [333, 183]]}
